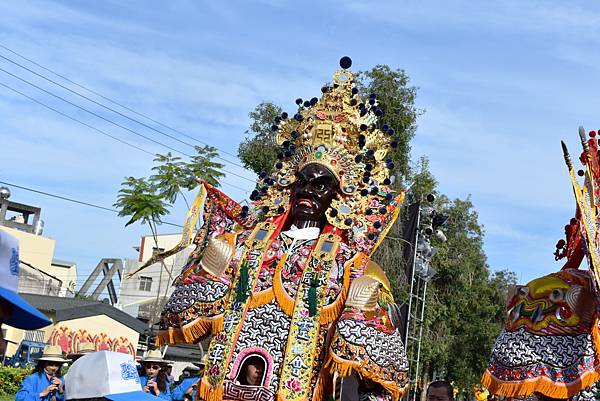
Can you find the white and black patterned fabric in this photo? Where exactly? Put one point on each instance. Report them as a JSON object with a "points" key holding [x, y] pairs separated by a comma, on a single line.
{"points": [[186, 295], [265, 327], [521, 356], [386, 350]]}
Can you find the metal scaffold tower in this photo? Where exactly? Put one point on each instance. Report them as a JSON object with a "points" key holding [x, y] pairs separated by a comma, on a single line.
{"points": [[418, 232], [414, 328]]}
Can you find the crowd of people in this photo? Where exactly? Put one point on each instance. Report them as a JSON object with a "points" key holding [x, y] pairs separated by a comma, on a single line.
{"points": [[46, 383], [93, 374], [107, 374]]}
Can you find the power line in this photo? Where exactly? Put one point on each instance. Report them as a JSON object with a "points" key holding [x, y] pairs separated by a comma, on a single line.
{"points": [[94, 128], [118, 112], [111, 121], [91, 112], [108, 99], [74, 119], [75, 200]]}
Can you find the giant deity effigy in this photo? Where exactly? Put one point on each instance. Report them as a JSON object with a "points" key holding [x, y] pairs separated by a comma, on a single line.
{"points": [[550, 346], [287, 288]]}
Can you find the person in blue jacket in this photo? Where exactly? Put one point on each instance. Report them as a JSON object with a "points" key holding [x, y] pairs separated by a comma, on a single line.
{"points": [[186, 390], [45, 383], [154, 376]]}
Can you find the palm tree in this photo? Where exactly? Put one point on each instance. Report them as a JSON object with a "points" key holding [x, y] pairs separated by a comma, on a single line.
{"points": [[147, 199]]}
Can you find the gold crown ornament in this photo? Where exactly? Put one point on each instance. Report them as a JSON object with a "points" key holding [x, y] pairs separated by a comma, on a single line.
{"points": [[340, 131]]}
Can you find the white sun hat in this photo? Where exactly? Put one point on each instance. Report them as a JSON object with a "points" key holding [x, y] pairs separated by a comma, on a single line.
{"points": [[108, 374]]}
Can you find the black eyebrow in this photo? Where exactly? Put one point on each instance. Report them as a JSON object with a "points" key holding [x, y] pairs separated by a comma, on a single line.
{"points": [[322, 178]]}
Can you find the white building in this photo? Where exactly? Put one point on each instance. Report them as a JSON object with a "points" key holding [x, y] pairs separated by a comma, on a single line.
{"points": [[144, 295], [39, 272]]}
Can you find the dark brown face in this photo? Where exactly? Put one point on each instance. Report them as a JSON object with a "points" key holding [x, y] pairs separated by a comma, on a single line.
{"points": [[315, 188]]}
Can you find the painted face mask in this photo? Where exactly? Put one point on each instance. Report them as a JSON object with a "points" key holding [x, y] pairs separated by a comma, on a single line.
{"points": [[551, 340], [556, 304]]}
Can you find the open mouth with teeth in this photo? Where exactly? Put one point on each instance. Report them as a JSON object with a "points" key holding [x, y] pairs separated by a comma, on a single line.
{"points": [[543, 317], [305, 202]]}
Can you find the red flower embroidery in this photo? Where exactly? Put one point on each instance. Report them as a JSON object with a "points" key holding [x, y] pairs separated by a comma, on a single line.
{"points": [[293, 384]]}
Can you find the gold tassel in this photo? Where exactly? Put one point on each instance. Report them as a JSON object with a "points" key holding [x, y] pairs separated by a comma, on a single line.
{"points": [[190, 333], [345, 368], [261, 298], [283, 299], [217, 323], [195, 330], [170, 336], [208, 392], [541, 385], [162, 338]]}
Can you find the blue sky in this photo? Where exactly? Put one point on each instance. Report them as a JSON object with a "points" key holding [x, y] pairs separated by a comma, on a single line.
{"points": [[500, 82]]}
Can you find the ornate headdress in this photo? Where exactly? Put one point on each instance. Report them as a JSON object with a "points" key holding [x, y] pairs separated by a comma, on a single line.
{"points": [[341, 132], [583, 232]]}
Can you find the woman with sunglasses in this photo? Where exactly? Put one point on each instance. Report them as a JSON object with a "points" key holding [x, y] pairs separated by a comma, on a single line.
{"points": [[46, 382], [154, 376]]}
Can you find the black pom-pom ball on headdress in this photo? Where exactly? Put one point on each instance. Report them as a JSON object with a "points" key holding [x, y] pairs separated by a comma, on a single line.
{"points": [[345, 62]]}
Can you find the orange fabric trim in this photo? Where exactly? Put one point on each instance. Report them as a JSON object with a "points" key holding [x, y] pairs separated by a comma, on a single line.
{"points": [[261, 298], [345, 368], [596, 338], [324, 385], [169, 336], [195, 330], [318, 394], [543, 384], [190, 333], [283, 299], [217, 323], [540, 384], [208, 392]]}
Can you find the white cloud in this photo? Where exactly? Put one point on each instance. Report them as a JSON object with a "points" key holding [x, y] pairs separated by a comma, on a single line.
{"points": [[502, 83]]}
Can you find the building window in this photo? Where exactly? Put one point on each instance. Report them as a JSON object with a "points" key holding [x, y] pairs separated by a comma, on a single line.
{"points": [[156, 251], [145, 283]]}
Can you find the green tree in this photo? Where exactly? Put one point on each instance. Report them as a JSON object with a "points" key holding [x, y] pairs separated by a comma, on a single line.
{"points": [[258, 151], [168, 176], [148, 199], [396, 97], [141, 200], [465, 301], [10, 379], [171, 174], [202, 165]]}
